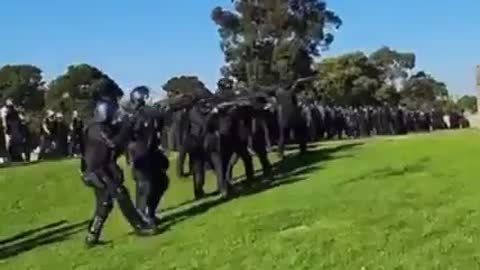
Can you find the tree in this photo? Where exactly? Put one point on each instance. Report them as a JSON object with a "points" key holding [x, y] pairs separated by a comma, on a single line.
{"points": [[422, 91], [78, 87], [468, 103], [187, 85], [349, 79], [264, 41], [24, 85], [395, 65]]}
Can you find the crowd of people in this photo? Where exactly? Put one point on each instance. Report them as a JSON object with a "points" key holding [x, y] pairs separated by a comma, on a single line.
{"points": [[210, 132], [61, 138], [328, 122], [58, 138]]}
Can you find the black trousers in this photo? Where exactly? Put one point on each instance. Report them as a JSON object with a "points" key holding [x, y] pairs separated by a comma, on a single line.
{"points": [[300, 132], [149, 191], [198, 160], [15, 150], [74, 146], [112, 188], [149, 171], [240, 151], [259, 146], [221, 161]]}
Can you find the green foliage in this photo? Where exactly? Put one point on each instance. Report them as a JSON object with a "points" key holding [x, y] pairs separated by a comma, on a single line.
{"points": [[446, 105], [186, 85], [423, 91], [358, 79], [350, 79], [468, 103], [24, 85], [267, 41], [78, 87], [395, 65]]}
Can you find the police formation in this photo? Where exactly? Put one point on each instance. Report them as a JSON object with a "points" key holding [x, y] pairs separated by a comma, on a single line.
{"points": [[211, 132]]}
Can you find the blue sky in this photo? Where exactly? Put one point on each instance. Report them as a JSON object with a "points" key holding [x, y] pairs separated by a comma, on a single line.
{"points": [[147, 42]]}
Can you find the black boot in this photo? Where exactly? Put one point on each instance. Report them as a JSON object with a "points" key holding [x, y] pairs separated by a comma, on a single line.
{"points": [[94, 231], [146, 229], [153, 219]]}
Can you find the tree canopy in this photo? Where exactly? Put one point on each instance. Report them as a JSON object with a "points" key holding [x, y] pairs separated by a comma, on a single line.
{"points": [[186, 85], [358, 79], [468, 103], [349, 79], [24, 85], [271, 40], [78, 87], [395, 65], [422, 91]]}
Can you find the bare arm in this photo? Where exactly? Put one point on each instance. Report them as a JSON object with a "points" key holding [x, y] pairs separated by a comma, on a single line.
{"points": [[45, 128]]}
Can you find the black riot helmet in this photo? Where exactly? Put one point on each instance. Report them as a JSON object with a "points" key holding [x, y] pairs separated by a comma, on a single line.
{"points": [[105, 111], [139, 96]]}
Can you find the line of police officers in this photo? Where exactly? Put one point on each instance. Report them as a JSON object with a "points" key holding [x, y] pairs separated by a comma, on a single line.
{"points": [[213, 132]]}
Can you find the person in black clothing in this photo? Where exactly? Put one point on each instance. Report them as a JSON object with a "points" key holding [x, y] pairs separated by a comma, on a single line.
{"points": [[76, 128], [48, 133], [104, 141], [14, 132], [193, 144], [149, 163], [61, 136], [25, 133], [260, 138]]}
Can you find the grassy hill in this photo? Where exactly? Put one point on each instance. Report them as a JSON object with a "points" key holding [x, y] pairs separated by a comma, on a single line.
{"points": [[387, 203]]}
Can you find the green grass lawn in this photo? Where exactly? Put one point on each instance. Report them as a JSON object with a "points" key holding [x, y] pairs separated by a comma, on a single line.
{"points": [[408, 202]]}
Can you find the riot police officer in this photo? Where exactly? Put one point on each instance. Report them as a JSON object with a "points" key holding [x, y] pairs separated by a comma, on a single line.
{"points": [[148, 162], [103, 141]]}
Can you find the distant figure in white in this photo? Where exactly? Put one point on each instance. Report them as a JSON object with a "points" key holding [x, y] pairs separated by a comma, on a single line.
{"points": [[4, 140]]}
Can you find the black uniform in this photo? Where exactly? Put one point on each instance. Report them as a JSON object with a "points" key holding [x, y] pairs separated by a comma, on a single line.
{"points": [[260, 138], [102, 145], [290, 119], [14, 130], [193, 144], [61, 138], [149, 164], [75, 136], [3, 143], [47, 143]]}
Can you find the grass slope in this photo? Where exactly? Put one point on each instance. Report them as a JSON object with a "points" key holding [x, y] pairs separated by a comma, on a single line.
{"points": [[386, 203]]}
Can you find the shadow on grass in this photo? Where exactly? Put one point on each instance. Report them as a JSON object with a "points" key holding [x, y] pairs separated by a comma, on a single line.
{"points": [[414, 167], [53, 233], [292, 169]]}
